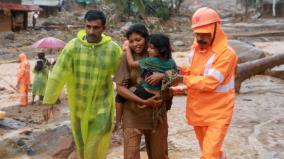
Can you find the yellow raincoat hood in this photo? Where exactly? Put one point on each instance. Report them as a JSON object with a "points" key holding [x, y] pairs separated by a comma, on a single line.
{"points": [[82, 33]]}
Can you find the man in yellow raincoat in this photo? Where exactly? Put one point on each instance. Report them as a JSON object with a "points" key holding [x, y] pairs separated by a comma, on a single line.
{"points": [[209, 80], [23, 79], [86, 65]]}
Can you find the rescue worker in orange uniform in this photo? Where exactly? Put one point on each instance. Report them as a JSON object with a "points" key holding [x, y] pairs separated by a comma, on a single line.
{"points": [[209, 81], [23, 79]]}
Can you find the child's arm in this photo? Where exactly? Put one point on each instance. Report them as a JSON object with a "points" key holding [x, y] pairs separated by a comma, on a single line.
{"points": [[130, 59], [131, 62]]}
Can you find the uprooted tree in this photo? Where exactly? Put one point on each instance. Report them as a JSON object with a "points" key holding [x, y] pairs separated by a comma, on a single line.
{"points": [[256, 67]]}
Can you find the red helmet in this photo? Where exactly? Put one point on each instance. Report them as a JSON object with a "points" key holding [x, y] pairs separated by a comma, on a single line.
{"points": [[204, 16]]}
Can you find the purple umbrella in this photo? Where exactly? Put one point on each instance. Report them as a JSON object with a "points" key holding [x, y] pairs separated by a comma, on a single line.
{"points": [[49, 42]]}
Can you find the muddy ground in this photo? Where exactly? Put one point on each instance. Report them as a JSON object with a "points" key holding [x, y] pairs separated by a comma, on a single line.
{"points": [[257, 130]]}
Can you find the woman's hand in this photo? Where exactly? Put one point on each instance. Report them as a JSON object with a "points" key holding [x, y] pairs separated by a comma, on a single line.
{"points": [[153, 101], [125, 83], [155, 78]]}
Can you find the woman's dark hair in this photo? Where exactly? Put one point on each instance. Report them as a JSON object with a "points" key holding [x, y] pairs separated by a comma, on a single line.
{"points": [[162, 43], [39, 66], [95, 15], [41, 55], [138, 28]]}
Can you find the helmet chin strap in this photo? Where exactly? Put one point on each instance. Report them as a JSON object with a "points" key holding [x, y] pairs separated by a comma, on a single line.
{"points": [[203, 50], [214, 33]]}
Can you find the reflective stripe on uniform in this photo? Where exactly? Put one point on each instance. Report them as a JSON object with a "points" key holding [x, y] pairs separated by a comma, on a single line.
{"points": [[226, 87], [218, 75], [209, 64]]}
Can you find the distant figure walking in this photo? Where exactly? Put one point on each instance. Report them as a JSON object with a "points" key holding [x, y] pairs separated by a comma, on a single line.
{"points": [[35, 16], [23, 79], [40, 79]]}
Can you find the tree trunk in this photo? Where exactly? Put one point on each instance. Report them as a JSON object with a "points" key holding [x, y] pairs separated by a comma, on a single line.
{"points": [[275, 73], [256, 67]]}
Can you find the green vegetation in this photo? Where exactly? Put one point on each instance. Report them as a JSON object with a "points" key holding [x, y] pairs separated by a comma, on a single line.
{"points": [[139, 8]]}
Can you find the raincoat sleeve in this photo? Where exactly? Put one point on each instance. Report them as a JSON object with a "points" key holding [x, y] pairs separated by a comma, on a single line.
{"points": [[117, 58], [184, 70], [60, 74], [222, 68]]}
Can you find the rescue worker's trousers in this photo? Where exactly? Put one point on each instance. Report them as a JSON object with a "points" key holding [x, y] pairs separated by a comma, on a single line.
{"points": [[24, 94], [155, 140], [210, 140]]}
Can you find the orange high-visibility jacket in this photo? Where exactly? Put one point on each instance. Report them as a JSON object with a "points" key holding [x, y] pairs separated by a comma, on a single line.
{"points": [[23, 74], [210, 82]]}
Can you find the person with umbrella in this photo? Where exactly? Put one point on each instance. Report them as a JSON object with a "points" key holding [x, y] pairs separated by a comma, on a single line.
{"points": [[40, 79], [41, 56], [86, 64], [49, 43]]}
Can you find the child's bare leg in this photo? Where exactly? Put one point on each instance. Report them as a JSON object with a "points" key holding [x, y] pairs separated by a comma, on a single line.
{"points": [[118, 115]]}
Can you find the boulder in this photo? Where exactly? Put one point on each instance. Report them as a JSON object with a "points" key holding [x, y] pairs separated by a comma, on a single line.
{"points": [[178, 43], [40, 143], [10, 123], [245, 51]]}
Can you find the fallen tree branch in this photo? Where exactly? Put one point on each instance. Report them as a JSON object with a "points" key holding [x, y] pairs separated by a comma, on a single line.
{"points": [[256, 67], [275, 73], [256, 34]]}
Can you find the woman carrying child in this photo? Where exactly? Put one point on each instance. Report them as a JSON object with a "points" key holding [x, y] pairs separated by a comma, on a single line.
{"points": [[138, 121]]}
